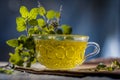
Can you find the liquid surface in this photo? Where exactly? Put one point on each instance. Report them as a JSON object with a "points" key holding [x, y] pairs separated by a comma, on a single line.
{"points": [[55, 54]]}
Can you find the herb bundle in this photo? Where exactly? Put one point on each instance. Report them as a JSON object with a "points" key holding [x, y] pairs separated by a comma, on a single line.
{"points": [[35, 21]]}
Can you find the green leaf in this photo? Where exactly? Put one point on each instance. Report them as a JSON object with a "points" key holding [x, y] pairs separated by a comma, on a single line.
{"points": [[19, 49], [51, 32], [25, 54], [59, 31], [110, 68], [13, 43], [21, 24], [42, 11], [33, 60], [57, 15], [33, 13], [116, 64], [41, 22], [29, 44], [9, 71], [24, 11], [36, 30], [50, 14], [66, 29], [31, 31], [22, 38], [16, 59], [33, 22], [6, 71], [101, 66]]}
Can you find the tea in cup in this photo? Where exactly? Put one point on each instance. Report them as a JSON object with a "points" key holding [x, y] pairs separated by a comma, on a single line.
{"points": [[62, 52]]}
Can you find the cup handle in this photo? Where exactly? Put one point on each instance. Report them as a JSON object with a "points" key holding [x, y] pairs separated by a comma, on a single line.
{"points": [[95, 51]]}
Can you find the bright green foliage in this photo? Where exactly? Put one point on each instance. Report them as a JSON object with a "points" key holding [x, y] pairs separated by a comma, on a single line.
{"points": [[6, 71], [33, 13], [24, 12], [59, 31], [66, 29], [50, 14], [57, 15], [42, 11], [29, 43], [31, 31], [21, 24], [16, 59], [34, 30], [35, 21], [22, 39], [41, 22], [115, 65], [13, 43]]}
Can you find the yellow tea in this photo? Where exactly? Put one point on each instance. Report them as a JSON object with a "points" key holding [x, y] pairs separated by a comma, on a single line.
{"points": [[64, 54]]}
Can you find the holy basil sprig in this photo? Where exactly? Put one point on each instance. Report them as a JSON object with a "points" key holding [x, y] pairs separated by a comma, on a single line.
{"points": [[35, 21], [102, 67], [6, 71], [40, 21]]}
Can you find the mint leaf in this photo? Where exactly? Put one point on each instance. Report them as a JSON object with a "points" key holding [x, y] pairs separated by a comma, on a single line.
{"points": [[24, 12], [13, 43], [21, 24]]}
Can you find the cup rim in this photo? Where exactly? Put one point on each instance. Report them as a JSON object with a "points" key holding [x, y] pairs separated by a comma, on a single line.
{"points": [[75, 35]]}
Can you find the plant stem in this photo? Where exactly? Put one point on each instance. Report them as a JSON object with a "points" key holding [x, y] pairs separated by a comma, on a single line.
{"points": [[58, 20]]}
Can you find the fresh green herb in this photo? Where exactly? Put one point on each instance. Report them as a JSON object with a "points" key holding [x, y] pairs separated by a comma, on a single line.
{"points": [[66, 29], [6, 71], [102, 67], [35, 21]]}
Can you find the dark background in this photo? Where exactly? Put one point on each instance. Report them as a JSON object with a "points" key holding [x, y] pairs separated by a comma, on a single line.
{"points": [[99, 19]]}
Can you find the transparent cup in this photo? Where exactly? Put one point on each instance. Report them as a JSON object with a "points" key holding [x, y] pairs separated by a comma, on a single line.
{"points": [[62, 52]]}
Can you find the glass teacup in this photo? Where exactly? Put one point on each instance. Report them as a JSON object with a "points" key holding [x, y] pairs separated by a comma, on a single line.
{"points": [[63, 51]]}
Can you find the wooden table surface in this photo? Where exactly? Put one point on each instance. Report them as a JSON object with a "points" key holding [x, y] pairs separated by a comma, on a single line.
{"points": [[43, 74]]}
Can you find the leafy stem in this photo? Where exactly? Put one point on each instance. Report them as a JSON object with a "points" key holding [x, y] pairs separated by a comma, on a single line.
{"points": [[34, 21]]}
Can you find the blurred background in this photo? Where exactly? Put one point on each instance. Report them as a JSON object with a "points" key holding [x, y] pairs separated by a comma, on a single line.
{"points": [[99, 19]]}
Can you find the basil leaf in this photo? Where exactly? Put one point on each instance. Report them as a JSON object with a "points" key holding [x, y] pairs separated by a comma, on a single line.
{"points": [[21, 24], [13, 43]]}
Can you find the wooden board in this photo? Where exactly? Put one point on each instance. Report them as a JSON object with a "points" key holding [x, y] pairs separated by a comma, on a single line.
{"points": [[80, 71]]}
